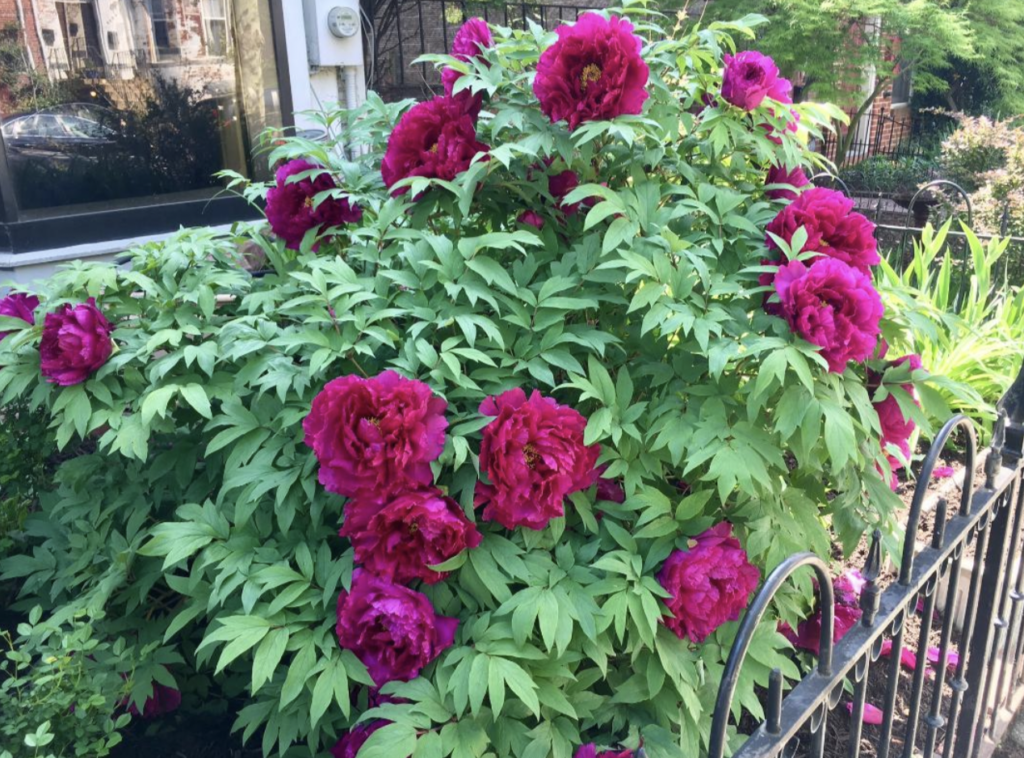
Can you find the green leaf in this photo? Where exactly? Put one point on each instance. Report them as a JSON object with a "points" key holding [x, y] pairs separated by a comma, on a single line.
{"points": [[195, 396], [323, 693], [495, 687], [519, 682], [391, 741], [298, 673], [156, 402], [268, 656]]}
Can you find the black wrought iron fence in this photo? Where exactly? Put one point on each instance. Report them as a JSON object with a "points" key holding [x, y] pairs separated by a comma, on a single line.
{"points": [[400, 31], [965, 586], [900, 220], [882, 133]]}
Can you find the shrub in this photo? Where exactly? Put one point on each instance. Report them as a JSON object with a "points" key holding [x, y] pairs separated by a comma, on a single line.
{"points": [[901, 177], [61, 689], [977, 146], [962, 318], [987, 158], [542, 355], [26, 468]]}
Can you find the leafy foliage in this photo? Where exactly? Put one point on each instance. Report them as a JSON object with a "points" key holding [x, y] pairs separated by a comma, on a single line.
{"points": [[837, 46], [198, 524], [60, 686], [962, 318]]}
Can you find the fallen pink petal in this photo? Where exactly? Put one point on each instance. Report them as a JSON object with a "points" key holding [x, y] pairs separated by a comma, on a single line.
{"points": [[872, 714], [943, 472], [952, 657], [908, 658]]}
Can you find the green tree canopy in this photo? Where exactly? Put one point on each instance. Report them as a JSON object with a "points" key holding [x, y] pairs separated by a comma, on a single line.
{"points": [[998, 81], [838, 44]]}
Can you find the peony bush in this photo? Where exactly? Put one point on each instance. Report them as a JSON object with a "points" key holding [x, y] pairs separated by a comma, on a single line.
{"points": [[529, 393]]}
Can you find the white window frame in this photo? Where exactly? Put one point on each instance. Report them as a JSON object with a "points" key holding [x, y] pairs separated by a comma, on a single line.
{"points": [[209, 19]]}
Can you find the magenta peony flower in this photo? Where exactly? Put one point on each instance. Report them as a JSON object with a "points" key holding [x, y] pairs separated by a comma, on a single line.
{"points": [[375, 436], [534, 455], [412, 531], [164, 700], [872, 714], [833, 229], [896, 428], [609, 489], [590, 751], [594, 72], [832, 306], [750, 77], [792, 126], [808, 632], [76, 343], [472, 38], [350, 742], [847, 589], [531, 218], [292, 211], [19, 305], [560, 185], [710, 583], [796, 178], [434, 139], [393, 630]]}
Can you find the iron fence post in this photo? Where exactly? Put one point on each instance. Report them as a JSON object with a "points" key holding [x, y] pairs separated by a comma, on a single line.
{"points": [[987, 624]]}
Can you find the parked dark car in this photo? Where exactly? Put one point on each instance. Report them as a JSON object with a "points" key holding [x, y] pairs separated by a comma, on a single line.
{"points": [[61, 133]]}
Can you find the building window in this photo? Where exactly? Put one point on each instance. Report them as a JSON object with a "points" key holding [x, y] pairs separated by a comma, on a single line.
{"points": [[130, 144], [164, 28], [215, 23], [901, 90]]}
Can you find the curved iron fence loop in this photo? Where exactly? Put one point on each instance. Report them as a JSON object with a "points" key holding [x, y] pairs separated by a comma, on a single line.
{"points": [[745, 635], [958, 421], [833, 179], [943, 183]]}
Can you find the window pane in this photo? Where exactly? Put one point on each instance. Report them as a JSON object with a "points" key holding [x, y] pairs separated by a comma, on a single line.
{"points": [[120, 104]]}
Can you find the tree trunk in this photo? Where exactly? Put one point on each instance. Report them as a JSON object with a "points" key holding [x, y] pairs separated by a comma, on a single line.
{"points": [[845, 142]]}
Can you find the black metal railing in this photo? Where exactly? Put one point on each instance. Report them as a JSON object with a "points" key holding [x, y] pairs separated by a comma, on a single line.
{"points": [[884, 134], [397, 32], [900, 219], [967, 583]]}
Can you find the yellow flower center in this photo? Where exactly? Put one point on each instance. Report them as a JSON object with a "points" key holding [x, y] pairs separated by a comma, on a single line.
{"points": [[414, 527], [530, 455], [309, 203], [591, 73], [433, 148], [373, 420]]}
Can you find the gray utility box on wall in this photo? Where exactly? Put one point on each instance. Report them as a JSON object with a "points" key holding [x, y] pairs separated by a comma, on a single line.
{"points": [[333, 32]]}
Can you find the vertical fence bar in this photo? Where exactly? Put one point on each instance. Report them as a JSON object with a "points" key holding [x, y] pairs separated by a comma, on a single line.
{"points": [[934, 720], [998, 625], [401, 57], [922, 641], [1008, 609], [423, 41], [444, 25], [960, 684], [970, 728]]}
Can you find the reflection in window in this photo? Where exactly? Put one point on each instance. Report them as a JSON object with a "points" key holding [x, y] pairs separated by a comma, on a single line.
{"points": [[173, 102], [163, 28], [215, 21]]}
